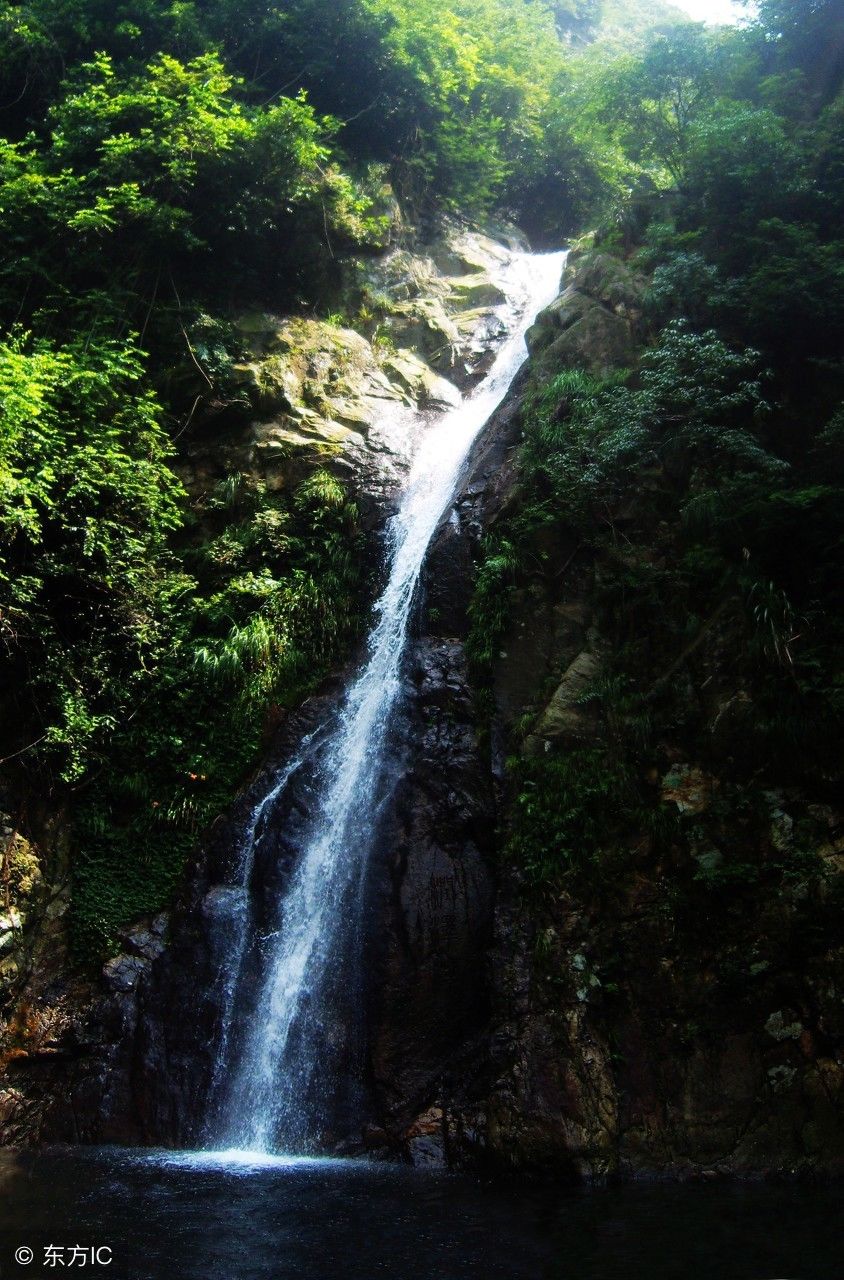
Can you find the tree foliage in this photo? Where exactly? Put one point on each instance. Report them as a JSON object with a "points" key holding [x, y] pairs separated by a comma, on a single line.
{"points": [[705, 485], [164, 166]]}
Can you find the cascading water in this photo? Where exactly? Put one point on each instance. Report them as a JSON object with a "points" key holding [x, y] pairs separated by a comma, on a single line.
{"points": [[276, 1083]]}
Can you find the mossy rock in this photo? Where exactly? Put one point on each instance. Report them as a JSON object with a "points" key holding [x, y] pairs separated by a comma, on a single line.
{"points": [[596, 340], [473, 291], [425, 326], [570, 307], [608, 280], [313, 387], [565, 715], [422, 384]]}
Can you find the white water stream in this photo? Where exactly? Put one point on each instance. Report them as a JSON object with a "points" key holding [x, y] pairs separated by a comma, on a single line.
{"points": [[268, 1083]]}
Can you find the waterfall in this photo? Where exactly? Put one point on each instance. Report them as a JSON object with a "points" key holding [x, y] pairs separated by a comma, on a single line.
{"points": [[278, 1081]]}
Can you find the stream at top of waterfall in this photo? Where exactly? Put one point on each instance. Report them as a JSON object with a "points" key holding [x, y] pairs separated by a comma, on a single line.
{"points": [[177, 1216]]}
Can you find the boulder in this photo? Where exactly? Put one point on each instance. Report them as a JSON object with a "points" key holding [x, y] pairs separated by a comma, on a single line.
{"points": [[565, 716], [590, 337], [609, 281], [593, 325], [473, 291], [421, 383]]}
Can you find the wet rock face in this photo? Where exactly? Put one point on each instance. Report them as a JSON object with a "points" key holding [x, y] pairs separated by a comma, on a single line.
{"points": [[435, 901], [623, 1035], [130, 1058], [439, 298], [142, 1065]]}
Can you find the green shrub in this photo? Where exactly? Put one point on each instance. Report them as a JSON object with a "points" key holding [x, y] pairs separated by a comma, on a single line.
{"points": [[565, 809]]}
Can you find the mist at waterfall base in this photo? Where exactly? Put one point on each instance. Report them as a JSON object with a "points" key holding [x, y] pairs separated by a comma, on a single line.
{"points": [[168, 1216], [289, 1071]]}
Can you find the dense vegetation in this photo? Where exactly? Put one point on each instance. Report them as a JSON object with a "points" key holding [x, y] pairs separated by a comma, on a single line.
{"points": [[166, 165], [705, 487]]}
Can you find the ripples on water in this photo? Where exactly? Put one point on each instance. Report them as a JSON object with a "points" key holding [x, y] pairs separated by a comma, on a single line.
{"points": [[241, 1216]]}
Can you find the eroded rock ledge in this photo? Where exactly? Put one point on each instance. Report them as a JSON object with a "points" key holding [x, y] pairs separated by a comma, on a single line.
{"points": [[316, 392]]}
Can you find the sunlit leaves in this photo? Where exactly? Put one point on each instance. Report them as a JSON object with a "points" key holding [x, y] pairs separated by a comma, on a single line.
{"points": [[88, 500], [147, 172], [697, 407]]}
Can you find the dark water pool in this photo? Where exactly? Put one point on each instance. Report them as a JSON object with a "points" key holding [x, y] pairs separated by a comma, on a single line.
{"points": [[177, 1217]]}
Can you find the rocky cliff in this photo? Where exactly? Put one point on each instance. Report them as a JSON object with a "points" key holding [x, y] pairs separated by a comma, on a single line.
{"points": [[671, 1004], [307, 394]]}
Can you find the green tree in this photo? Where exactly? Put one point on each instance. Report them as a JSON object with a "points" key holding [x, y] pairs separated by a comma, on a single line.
{"points": [[146, 175], [741, 166], [809, 35], [653, 98], [87, 501]]}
